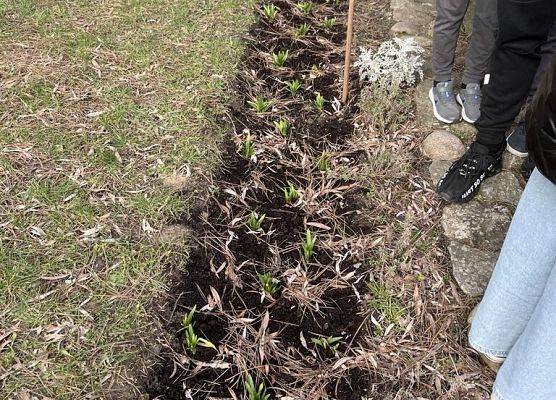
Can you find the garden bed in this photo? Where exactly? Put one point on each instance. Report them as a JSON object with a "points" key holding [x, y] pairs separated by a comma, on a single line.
{"points": [[275, 287]]}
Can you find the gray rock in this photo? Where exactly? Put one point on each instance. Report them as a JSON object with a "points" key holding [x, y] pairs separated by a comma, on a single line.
{"points": [[476, 224], [471, 267], [175, 234], [502, 188], [176, 181], [423, 41], [511, 162], [421, 18], [437, 169], [405, 28], [442, 145]]}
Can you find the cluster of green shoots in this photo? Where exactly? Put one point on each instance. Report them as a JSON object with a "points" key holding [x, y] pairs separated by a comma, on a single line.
{"points": [[280, 58], [293, 86], [290, 193], [282, 126], [308, 245], [319, 101], [331, 342], [255, 221], [248, 149], [192, 340], [305, 7], [270, 12], [260, 105], [269, 283], [302, 30], [329, 23], [323, 162], [255, 392]]}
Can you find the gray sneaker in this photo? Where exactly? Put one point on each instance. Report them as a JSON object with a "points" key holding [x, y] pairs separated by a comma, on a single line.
{"points": [[470, 101], [444, 104]]}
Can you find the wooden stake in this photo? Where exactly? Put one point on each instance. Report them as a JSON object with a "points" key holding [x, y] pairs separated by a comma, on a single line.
{"points": [[347, 62]]}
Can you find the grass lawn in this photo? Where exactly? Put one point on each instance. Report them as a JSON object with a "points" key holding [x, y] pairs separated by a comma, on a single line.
{"points": [[101, 102]]}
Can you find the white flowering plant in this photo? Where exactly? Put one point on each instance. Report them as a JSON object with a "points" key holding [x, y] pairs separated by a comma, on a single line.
{"points": [[397, 61]]}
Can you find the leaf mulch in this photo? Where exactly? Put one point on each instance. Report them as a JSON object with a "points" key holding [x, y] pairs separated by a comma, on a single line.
{"points": [[372, 312]]}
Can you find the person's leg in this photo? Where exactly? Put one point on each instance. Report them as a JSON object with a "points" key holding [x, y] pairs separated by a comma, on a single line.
{"points": [[516, 138], [548, 50], [483, 38], [518, 281], [529, 372], [449, 16], [523, 28]]}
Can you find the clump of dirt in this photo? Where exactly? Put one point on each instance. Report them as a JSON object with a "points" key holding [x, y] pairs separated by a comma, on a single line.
{"points": [[301, 338]]}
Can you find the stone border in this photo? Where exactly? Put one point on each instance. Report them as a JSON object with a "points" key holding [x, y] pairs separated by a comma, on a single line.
{"points": [[475, 231]]}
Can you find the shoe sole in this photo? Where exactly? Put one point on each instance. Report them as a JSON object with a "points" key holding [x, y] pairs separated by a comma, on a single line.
{"points": [[463, 114], [435, 111], [516, 152]]}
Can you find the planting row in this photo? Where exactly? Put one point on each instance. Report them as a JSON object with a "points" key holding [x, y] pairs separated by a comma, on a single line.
{"points": [[271, 297]]}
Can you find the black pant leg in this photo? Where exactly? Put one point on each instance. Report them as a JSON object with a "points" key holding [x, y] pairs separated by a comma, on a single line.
{"points": [[523, 29], [548, 50]]}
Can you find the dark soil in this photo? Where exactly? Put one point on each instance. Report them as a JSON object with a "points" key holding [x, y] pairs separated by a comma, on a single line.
{"points": [[230, 257]]}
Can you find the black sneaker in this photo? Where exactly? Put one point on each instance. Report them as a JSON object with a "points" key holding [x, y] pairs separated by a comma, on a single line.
{"points": [[516, 141], [462, 180]]}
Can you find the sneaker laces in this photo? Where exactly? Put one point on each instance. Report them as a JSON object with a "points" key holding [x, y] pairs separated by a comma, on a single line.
{"points": [[472, 162], [472, 94], [445, 94]]}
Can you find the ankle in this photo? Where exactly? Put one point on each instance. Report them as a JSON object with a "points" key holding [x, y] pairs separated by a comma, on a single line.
{"points": [[435, 83], [493, 148], [464, 85]]}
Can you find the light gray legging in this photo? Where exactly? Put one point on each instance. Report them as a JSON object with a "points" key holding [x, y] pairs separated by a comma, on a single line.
{"points": [[517, 316], [449, 17]]}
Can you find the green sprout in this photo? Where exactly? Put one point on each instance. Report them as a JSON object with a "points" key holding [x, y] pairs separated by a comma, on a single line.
{"points": [[302, 30], [255, 221], [280, 58], [293, 86], [268, 283], [308, 245], [329, 23], [290, 193], [270, 11], [188, 318], [191, 340], [331, 342], [260, 105], [305, 7], [248, 149], [282, 126], [253, 392], [324, 162], [319, 101]]}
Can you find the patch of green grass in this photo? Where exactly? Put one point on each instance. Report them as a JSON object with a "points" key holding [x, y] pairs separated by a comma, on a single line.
{"points": [[115, 94], [385, 303], [465, 134], [385, 107]]}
